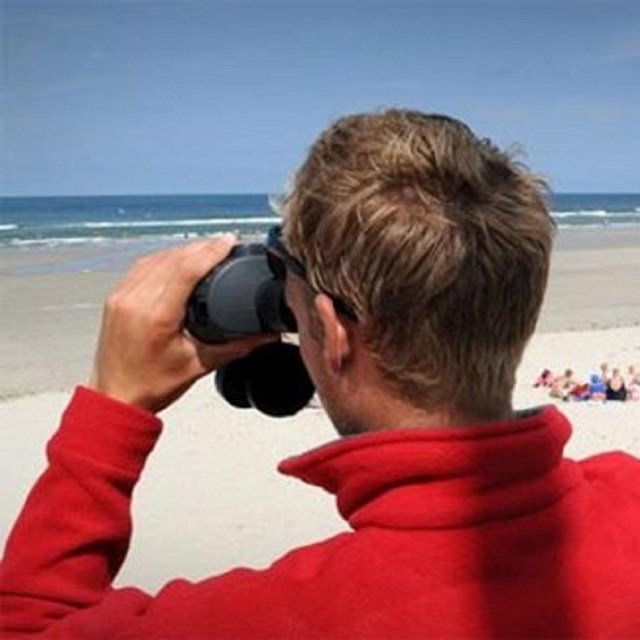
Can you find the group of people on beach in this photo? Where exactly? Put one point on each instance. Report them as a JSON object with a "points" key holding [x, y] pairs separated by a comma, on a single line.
{"points": [[604, 386]]}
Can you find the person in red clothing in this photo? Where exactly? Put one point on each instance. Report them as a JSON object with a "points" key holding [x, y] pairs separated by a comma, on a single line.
{"points": [[466, 520]]}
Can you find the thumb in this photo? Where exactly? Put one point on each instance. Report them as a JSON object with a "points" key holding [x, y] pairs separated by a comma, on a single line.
{"points": [[211, 357]]}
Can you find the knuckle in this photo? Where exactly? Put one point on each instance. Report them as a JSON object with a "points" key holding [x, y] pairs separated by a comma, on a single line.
{"points": [[156, 337], [211, 249], [113, 302], [162, 319], [141, 262], [192, 268], [118, 304]]}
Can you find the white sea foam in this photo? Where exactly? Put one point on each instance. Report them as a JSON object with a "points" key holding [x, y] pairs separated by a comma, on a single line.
{"points": [[597, 213], [50, 242], [573, 227], [598, 225], [179, 223], [151, 239], [8, 227]]}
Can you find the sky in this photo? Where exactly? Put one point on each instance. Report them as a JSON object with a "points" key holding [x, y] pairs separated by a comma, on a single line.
{"points": [[224, 96]]}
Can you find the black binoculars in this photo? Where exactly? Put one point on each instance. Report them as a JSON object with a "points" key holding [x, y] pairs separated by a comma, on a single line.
{"points": [[243, 296]]}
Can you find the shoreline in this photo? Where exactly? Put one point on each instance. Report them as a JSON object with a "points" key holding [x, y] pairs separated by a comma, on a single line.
{"points": [[114, 256], [586, 238], [53, 297]]}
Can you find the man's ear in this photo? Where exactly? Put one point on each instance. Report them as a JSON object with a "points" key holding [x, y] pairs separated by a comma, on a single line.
{"points": [[337, 347]]}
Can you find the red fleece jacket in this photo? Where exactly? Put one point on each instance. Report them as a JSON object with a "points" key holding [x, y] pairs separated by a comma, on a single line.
{"points": [[472, 532]]}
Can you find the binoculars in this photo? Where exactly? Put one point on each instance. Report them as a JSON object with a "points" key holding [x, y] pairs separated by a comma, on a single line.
{"points": [[243, 296]]}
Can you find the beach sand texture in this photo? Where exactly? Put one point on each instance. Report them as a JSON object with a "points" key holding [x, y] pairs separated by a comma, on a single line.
{"points": [[210, 498]]}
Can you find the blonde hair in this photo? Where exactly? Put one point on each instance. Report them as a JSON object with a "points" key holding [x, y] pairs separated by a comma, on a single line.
{"points": [[440, 243]]}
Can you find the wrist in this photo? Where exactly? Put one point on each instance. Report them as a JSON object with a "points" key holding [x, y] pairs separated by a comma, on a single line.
{"points": [[125, 394], [105, 430]]}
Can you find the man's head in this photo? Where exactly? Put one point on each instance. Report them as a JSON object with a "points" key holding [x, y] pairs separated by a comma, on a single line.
{"points": [[440, 244]]}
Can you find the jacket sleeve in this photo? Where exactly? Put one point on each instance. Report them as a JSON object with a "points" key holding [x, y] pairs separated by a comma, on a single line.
{"points": [[73, 532]]}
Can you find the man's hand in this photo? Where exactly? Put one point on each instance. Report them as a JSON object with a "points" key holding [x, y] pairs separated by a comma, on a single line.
{"points": [[144, 356]]}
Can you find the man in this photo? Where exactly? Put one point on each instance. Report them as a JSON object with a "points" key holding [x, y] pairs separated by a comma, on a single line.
{"points": [[423, 255]]}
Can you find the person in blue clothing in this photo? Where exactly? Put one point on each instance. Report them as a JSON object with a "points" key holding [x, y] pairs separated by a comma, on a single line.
{"points": [[597, 388]]}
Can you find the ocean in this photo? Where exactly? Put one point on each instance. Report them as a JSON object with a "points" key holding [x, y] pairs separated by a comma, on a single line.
{"points": [[160, 219]]}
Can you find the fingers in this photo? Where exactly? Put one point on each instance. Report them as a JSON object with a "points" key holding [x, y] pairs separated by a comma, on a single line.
{"points": [[191, 264], [204, 255], [162, 282]]}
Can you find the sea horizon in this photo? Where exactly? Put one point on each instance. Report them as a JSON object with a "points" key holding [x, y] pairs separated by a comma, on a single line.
{"points": [[241, 193], [51, 221]]}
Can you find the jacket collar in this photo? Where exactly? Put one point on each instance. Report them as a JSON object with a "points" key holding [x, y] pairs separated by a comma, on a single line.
{"points": [[448, 477]]}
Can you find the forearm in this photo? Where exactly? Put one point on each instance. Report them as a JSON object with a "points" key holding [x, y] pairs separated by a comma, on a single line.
{"points": [[73, 533]]}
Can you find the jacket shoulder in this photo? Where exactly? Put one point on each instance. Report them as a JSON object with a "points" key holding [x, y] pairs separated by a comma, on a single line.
{"points": [[615, 471]]}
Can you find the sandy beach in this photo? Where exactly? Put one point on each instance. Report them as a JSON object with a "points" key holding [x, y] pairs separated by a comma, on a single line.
{"points": [[210, 492]]}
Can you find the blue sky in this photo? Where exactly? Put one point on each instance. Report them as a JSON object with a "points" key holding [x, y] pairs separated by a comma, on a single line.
{"points": [[206, 96]]}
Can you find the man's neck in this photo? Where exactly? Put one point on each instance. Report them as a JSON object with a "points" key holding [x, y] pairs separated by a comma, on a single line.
{"points": [[381, 410], [362, 400]]}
